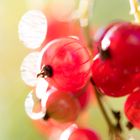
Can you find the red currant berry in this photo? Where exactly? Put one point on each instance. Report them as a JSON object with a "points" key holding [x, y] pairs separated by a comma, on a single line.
{"points": [[48, 127], [83, 134], [122, 42], [132, 109], [66, 64], [109, 79], [62, 107]]}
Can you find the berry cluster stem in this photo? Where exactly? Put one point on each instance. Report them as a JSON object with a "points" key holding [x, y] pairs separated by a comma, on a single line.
{"points": [[114, 132], [87, 37]]}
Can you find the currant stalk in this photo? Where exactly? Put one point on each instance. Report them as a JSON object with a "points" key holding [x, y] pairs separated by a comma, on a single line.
{"points": [[113, 130], [84, 7]]}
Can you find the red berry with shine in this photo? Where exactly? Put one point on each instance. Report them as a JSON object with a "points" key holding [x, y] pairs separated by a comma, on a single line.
{"points": [[132, 109], [66, 63], [62, 107], [109, 79], [122, 41], [83, 134], [47, 127]]}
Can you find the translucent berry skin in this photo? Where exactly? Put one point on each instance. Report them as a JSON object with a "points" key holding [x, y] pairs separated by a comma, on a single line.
{"points": [[109, 79], [70, 63], [62, 107], [132, 109], [122, 41], [83, 134]]}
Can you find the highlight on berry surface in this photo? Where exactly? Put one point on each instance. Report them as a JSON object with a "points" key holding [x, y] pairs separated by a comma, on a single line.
{"points": [[32, 29], [67, 132]]}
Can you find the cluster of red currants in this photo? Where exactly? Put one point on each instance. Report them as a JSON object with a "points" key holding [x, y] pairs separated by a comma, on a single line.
{"points": [[67, 66], [61, 82], [116, 66]]}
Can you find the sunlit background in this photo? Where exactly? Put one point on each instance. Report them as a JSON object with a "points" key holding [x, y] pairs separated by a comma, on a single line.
{"points": [[14, 123]]}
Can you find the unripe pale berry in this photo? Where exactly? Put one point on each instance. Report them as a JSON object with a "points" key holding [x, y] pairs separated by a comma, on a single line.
{"points": [[62, 107]]}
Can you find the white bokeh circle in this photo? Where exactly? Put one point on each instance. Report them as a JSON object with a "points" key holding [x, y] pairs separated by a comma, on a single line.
{"points": [[30, 67], [32, 29]]}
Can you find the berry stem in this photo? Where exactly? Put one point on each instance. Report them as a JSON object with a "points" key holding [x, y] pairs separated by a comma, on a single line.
{"points": [[113, 129], [84, 7], [87, 37], [110, 125]]}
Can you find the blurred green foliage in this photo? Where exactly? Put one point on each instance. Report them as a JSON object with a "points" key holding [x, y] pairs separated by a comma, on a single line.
{"points": [[14, 123]]}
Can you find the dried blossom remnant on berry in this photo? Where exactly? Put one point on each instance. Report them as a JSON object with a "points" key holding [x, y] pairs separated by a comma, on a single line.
{"points": [[46, 71]]}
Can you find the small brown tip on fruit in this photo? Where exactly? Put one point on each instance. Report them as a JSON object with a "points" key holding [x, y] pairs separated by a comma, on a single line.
{"points": [[46, 117], [46, 71], [105, 54]]}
